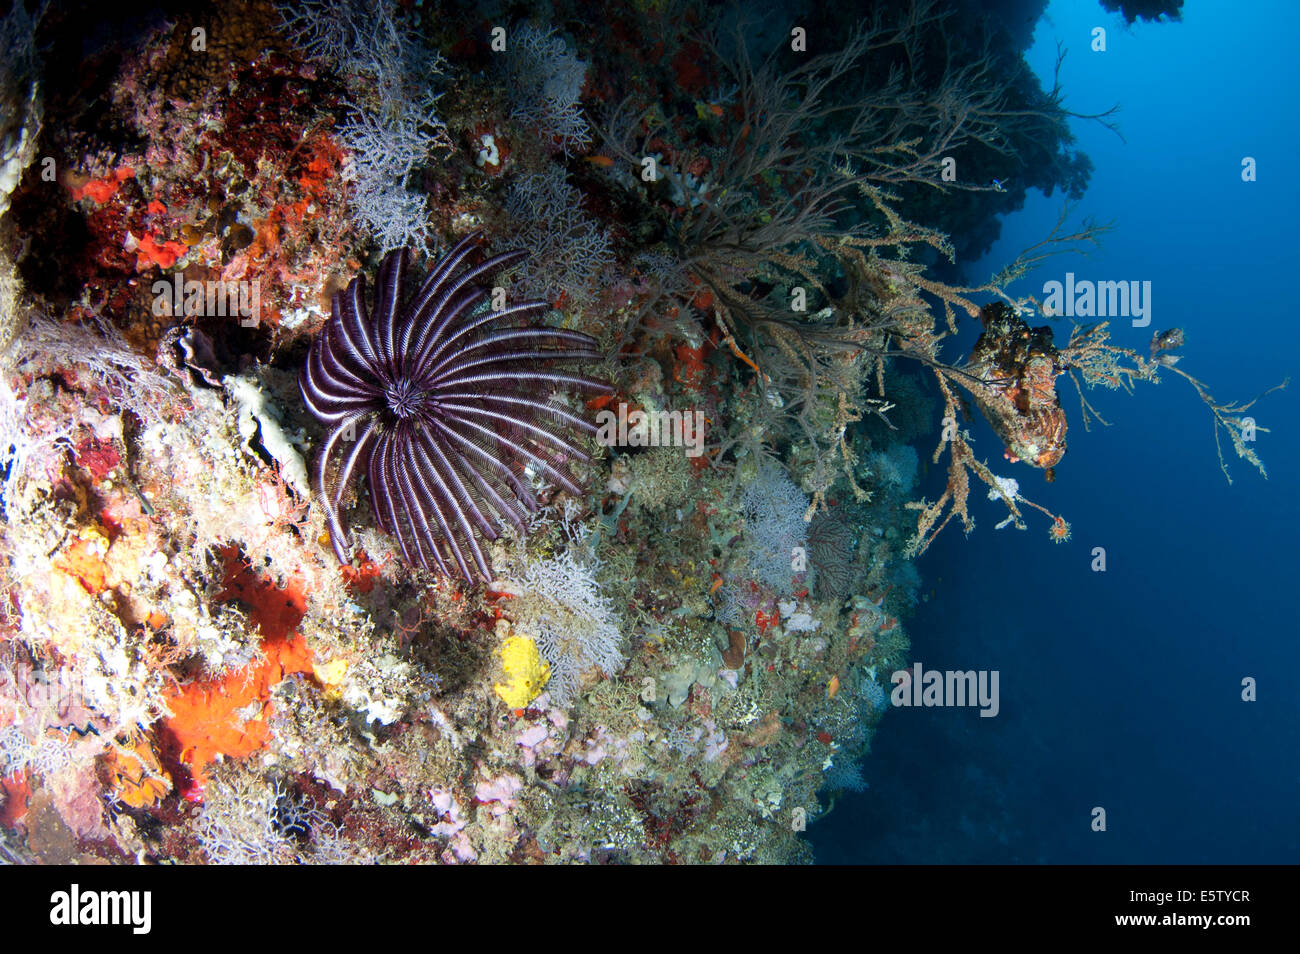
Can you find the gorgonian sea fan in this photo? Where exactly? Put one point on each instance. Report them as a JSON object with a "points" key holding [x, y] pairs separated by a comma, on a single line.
{"points": [[447, 406]]}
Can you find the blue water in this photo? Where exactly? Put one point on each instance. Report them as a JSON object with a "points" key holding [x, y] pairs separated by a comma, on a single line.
{"points": [[1122, 690]]}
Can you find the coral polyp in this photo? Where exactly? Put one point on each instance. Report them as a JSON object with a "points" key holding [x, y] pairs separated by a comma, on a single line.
{"points": [[447, 407]]}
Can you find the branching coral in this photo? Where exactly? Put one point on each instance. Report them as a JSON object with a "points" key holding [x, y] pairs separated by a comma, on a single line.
{"points": [[96, 351], [249, 820], [805, 176], [775, 528], [545, 79], [831, 539], [569, 249], [563, 609], [802, 149], [1013, 379], [393, 124], [1100, 363]]}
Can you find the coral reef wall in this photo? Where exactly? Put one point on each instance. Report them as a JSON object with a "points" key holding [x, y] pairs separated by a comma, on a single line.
{"points": [[684, 661]]}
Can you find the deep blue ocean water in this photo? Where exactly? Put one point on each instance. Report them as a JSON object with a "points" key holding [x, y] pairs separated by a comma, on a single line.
{"points": [[1123, 689]]}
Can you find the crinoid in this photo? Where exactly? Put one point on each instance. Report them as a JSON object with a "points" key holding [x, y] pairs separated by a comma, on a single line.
{"points": [[450, 408]]}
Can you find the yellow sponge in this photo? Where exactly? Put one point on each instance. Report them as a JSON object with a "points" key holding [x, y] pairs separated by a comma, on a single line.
{"points": [[526, 672]]}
